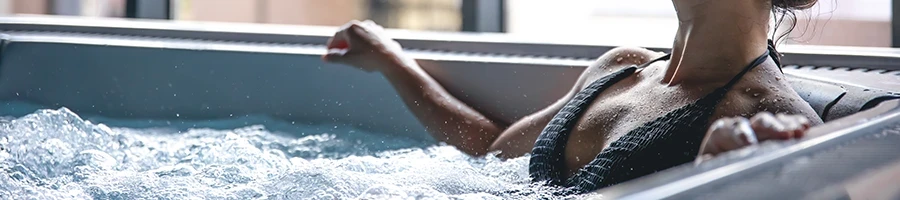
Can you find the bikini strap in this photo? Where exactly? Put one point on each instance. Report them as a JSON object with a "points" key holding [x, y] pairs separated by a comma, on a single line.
{"points": [[665, 57], [772, 52], [759, 60], [775, 55]]}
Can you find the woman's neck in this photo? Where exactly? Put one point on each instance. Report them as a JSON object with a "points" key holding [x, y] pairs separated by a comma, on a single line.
{"points": [[716, 39]]}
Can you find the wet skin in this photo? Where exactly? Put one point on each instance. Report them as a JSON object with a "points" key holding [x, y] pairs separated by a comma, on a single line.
{"points": [[624, 106]]}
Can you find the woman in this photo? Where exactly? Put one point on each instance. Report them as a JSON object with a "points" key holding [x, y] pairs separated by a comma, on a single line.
{"points": [[620, 121]]}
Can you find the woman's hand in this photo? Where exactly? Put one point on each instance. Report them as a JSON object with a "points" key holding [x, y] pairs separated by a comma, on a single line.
{"points": [[728, 134], [362, 45]]}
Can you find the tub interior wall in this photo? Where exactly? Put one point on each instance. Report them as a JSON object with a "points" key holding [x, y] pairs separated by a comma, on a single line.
{"points": [[165, 83], [144, 82]]}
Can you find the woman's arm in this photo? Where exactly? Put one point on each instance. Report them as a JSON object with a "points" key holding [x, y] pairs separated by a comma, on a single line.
{"points": [[444, 116], [447, 119]]}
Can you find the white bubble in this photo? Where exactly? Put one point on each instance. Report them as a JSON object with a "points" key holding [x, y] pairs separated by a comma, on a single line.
{"points": [[54, 154]]}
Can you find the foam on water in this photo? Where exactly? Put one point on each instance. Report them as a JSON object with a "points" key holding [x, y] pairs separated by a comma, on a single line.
{"points": [[54, 154]]}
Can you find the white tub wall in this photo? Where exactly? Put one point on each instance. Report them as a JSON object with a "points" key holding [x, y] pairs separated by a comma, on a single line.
{"points": [[133, 82], [154, 83]]}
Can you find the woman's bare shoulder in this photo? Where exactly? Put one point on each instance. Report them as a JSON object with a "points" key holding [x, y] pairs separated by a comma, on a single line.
{"points": [[771, 92], [627, 55], [620, 57]]}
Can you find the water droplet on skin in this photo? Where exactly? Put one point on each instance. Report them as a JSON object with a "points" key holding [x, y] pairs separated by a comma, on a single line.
{"points": [[755, 94], [747, 90]]}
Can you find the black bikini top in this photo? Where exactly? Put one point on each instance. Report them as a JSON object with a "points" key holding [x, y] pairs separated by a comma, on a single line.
{"points": [[662, 143]]}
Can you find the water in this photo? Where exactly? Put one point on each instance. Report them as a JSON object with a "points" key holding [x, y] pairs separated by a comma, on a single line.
{"points": [[55, 154]]}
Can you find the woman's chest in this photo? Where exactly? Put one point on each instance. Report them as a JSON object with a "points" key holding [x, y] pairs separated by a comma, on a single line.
{"points": [[614, 113]]}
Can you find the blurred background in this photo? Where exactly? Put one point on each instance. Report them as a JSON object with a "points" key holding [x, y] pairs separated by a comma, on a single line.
{"points": [[831, 22]]}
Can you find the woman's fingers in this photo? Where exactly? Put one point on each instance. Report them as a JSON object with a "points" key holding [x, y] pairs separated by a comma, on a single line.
{"points": [[795, 124], [362, 45], [728, 134], [768, 127], [349, 42], [780, 126], [338, 45]]}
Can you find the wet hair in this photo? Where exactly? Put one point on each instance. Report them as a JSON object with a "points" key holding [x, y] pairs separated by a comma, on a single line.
{"points": [[794, 4], [784, 10]]}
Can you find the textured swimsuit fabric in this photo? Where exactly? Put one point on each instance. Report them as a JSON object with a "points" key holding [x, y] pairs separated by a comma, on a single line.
{"points": [[665, 142]]}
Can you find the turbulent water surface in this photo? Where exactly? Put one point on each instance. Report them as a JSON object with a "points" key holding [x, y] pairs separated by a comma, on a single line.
{"points": [[55, 154]]}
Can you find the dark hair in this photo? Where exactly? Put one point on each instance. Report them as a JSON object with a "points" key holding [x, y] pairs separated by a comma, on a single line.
{"points": [[784, 10], [794, 4]]}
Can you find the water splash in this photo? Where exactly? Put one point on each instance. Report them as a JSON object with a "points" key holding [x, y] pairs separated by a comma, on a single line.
{"points": [[54, 154]]}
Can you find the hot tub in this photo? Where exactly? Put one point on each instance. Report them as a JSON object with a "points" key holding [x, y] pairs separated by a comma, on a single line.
{"points": [[122, 109]]}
